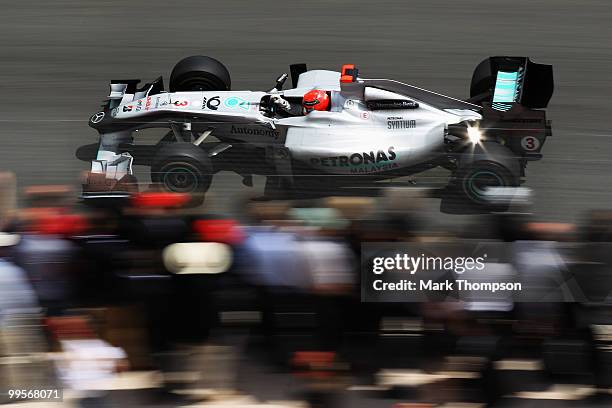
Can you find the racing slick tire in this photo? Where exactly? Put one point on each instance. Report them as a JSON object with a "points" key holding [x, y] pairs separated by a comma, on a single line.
{"points": [[183, 168], [489, 165], [199, 73]]}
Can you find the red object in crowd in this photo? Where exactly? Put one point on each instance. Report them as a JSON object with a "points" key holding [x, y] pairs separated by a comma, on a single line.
{"points": [[224, 231], [160, 200], [315, 365], [308, 358], [59, 224], [69, 327]]}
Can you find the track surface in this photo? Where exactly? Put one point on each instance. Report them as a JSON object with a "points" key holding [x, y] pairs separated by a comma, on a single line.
{"points": [[57, 58]]}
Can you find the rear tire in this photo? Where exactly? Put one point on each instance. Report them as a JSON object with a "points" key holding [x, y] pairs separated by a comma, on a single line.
{"points": [[199, 73], [481, 175], [491, 165]]}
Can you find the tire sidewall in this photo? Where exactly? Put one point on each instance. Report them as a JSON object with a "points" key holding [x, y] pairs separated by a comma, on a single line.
{"points": [[469, 178], [183, 156], [211, 74], [171, 171]]}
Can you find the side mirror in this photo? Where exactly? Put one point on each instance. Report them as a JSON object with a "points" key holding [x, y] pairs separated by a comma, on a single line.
{"points": [[280, 81]]}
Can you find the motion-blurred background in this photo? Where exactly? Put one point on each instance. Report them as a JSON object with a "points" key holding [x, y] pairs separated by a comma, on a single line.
{"points": [[92, 300]]}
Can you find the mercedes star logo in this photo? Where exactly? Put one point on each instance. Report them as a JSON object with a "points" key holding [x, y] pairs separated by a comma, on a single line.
{"points": [[97, 118]]}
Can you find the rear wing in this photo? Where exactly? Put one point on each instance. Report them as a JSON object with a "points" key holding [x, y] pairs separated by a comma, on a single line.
{"points": [[502, 82]]}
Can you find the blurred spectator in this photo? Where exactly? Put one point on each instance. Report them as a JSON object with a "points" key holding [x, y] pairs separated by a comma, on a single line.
{"points": [[296, 272], [599, 226], [85, 363], [8, 198], [22, 344]]}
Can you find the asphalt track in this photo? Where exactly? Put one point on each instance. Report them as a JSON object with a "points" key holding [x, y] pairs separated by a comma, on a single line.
{"points": [[56, 58]]}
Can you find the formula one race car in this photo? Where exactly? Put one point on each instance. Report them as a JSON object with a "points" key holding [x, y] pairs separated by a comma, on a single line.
{"points": [[371, 129]]}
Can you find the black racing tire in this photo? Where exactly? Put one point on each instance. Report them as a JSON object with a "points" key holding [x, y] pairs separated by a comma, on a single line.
{"points": [[183, 168], [199, 73], [475, 178], [491, 165]]}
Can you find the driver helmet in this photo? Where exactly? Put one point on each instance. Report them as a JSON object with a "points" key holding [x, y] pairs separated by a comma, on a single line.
{"points": [[315, 100]]}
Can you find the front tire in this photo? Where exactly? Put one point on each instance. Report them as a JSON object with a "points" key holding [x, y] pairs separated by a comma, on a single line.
{"points": [[183, 169], [199, 73]]}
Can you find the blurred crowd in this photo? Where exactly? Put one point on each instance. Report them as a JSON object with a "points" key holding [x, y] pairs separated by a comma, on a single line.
{"points": [[90, 293]]}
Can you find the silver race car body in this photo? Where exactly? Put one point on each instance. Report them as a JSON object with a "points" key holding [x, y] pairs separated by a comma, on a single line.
{"points": [[382, 128]]}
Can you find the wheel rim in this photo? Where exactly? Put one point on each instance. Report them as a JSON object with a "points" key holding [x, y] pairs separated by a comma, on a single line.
{"points": [[478, 182], [181, 179]]}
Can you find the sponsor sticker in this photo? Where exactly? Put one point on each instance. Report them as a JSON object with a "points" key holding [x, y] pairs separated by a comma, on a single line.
{"points": [[256, 131], [235, 102], [365, 162], [211, 103], [399, 123]]}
